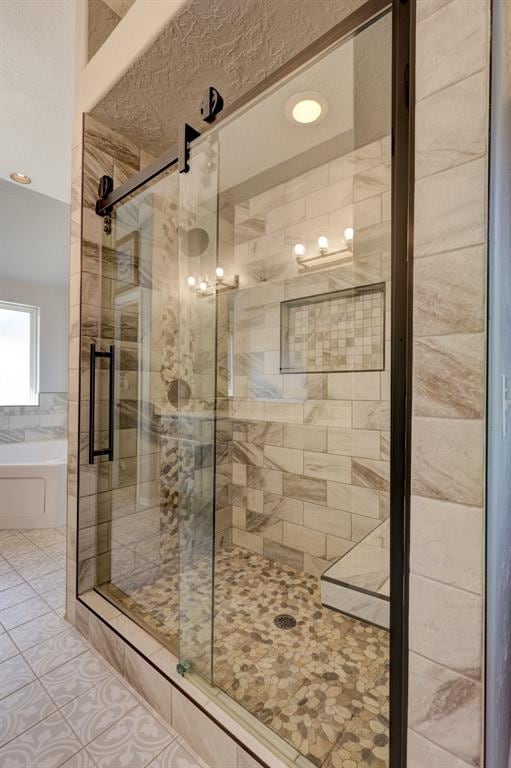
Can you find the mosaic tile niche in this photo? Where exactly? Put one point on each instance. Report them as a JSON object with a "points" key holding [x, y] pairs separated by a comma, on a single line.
{"points": [[339, 331]]}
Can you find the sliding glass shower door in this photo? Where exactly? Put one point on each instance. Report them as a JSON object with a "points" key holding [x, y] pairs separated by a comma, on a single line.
{"points": [[153, 382], [246, 320]]}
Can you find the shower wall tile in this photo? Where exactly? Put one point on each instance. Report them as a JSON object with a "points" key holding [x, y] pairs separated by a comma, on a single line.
{"points": [[448, 427], [451, 45], [445, 708], [438, 529], [453, 126], [450, 376], [447, 295], [453, 209], [448, 460], [437, 610]]}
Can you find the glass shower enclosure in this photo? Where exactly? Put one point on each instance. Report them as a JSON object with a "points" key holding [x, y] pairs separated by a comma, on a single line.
{"points": [[241, 381]]}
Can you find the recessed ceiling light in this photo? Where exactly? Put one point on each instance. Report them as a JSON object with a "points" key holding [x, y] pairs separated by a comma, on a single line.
{"points": [[306, 108], [20, 178]]}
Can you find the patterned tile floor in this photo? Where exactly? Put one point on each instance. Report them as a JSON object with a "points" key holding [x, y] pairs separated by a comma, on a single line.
{"points": [[322, 685], [61, 704]]}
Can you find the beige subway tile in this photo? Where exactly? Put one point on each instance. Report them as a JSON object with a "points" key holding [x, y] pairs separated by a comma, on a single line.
{"points": [[371, 414], [451, 45], [285, 215], [328, 520], [351, 498], [374, 181], [304, 488], [448, 459], [247, 540], [327, 466], [328, 413], [336, 547], [361, 526], [445, 707], [423, 753], [450, 375], [449, 292], [314, 566], [305, 436], [354, 442], [306, 183], [283, 412], [337, 195], [453, 209], [363, 385], [452, 126], [447, 543], [284, 508], [304, 539], [445, 625], [370, 473], [284, 459]]}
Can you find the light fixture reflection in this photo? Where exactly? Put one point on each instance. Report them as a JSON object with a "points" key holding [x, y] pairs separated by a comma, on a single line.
{"points": [[191, 281], [219, 271], [20, 178]]}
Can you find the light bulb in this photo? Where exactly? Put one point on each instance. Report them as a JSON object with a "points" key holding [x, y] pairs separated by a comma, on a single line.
{"points": [[323, 243], [219, 271], [307, 111], [203, 286], [348, 234], [191, 281], [299, 249]]}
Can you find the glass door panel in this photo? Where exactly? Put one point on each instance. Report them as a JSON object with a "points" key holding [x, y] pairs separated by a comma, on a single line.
{"points": [[195, 392], [301, 575], [139, 316]]}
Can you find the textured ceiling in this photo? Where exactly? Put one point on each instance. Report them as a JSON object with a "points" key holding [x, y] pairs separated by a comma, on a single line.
{"points": [[232, 44], [36, 92]]}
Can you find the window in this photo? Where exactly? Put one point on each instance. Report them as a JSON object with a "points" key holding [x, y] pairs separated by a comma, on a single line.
{"points": [[19, 354]]}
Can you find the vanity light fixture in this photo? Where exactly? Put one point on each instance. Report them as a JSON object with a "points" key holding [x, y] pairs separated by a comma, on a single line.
{"points": [[323, 257], [206, 287], [20, 178]]}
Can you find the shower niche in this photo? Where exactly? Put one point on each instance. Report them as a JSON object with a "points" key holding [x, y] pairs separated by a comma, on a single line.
{"points": [[249, 409], [338, 331]]}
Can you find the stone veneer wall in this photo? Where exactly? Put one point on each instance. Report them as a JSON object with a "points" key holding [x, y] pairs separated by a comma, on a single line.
{"points": [[28, 423], [310, 451], [448, 430]]}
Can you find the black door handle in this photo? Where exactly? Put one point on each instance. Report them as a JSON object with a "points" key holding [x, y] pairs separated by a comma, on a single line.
{"points": [[94, 355]]}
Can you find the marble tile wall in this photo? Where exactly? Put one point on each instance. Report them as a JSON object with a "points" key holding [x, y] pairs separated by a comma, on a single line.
{"points": [[448, 429], [29, 423], [310, 461]]}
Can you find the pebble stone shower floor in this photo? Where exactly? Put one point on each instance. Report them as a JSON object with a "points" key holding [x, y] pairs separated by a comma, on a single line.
{"points": [[61, 704], [322, 685]]}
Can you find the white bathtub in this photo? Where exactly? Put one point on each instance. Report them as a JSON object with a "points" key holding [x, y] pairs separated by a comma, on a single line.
{"points": [[33, 484]]}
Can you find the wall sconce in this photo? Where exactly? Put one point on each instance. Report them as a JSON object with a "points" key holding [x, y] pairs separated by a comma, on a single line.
{"points": [[205, 287], [323, 257]]}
